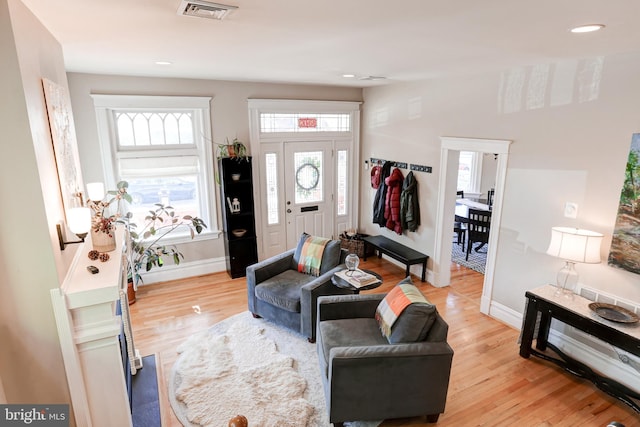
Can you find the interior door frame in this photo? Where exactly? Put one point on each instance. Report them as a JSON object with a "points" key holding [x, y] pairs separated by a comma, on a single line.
{"points": [[450, 154], [262, 143]]}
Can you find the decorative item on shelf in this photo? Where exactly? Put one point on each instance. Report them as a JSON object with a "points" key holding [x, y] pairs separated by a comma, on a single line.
{"points": [[103, 225], [351, 261], [612, 312], [235, 176], [103, 235], [573, 245], [239, 232], [234, 206]]}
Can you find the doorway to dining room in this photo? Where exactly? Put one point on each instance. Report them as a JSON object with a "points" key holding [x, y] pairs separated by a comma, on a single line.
{"points": [[449, 164], [476, 182]]}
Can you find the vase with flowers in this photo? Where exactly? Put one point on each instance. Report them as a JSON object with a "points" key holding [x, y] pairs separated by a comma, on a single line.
{"points": [[103, 223]]}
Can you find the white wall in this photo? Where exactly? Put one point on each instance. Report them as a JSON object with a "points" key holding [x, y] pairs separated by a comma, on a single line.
{"points": [[31, 263], [229, 119], [571, 124]]}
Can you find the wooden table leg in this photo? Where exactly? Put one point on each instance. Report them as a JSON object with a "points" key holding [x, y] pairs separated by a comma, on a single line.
{"points": [[528, 328], [543, 330]]}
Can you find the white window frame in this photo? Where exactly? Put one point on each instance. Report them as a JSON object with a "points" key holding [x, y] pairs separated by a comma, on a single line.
{"points": [[200, 106], [475, 175]]}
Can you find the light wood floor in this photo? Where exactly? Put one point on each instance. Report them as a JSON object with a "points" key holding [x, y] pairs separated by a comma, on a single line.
{"points": [[491, 385]]}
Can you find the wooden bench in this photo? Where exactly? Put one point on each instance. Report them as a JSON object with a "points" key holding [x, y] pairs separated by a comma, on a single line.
{"points": [[397, 251]]}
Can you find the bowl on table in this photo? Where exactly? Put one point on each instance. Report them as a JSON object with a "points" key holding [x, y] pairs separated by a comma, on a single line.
{"points": [[239, 232]]}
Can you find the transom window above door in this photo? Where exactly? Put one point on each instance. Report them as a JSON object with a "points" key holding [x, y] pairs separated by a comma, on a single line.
{"points": [[302, 122]]}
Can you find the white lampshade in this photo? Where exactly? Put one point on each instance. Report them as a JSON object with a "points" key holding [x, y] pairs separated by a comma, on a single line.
{"points": [[575, 245], [79, 220], [95, 191]]}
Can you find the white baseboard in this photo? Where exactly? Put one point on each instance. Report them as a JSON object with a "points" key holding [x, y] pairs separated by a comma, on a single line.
{"points": [[504, 314], [184, 270]]}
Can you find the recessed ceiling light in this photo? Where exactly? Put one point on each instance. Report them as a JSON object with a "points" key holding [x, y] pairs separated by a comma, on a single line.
{"points": [[587, 28], [373, 78], [349, 76], [163, 63]]}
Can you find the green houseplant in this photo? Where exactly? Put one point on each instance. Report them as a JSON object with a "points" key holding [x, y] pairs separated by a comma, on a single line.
{"points": [[234, 149], [147, 251]]}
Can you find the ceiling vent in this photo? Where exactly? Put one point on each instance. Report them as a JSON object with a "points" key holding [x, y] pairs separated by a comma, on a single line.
{"points": [[205, 9]]}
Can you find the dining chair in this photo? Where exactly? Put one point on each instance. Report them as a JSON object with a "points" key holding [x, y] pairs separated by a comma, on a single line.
{"points": [[490, 194], [478, 227], [458, 227]]}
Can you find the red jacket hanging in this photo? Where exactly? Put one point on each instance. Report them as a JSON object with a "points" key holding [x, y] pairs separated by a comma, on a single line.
{"points": [[392, 203]]}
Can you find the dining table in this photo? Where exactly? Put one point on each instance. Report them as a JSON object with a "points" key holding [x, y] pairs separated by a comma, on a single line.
{"points": [[462, 209]]}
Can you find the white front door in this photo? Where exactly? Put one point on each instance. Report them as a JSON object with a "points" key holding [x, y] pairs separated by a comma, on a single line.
{"points": [[309, 183], [307, 173]]}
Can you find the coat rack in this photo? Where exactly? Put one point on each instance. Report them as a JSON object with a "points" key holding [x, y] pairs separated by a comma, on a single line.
{"points": [[402, 165]]}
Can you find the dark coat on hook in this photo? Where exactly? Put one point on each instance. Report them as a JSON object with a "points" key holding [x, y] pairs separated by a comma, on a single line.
{"points": [[381, 196], [409, 204], [392, 205]]}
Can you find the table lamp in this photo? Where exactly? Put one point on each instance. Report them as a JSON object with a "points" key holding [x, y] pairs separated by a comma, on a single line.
{"points": [[573, 245]]}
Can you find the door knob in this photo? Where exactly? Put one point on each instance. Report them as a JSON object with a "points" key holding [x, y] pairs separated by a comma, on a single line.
{"points": [[288, 210]]}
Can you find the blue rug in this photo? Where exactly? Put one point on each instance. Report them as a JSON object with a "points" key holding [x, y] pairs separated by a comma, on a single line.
{"points": [[144, 386], [477, 260]]}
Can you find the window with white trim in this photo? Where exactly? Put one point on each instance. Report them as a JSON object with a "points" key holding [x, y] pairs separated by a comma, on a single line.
{"points": [[161, 147], [470, 172]]}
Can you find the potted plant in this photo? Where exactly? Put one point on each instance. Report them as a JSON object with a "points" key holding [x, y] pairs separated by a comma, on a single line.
{"points": [[147, 251], [234, 149], [103, 224]]}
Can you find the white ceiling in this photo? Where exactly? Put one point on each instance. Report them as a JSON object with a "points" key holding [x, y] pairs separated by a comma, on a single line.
{"points": [[302, 41]]}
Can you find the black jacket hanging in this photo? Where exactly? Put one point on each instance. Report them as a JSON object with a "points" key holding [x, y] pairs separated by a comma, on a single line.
{"points": [[381, 195], [409, 204]]}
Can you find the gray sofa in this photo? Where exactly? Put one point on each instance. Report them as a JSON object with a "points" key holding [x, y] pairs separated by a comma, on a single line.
{"points": [[367, 378], [277, 292]]}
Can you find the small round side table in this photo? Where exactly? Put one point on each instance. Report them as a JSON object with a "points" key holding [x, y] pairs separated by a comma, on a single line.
{"points": [[341, 283]]}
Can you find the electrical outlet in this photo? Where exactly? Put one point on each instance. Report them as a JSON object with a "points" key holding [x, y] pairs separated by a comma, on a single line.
{"points": [[571, 210]]}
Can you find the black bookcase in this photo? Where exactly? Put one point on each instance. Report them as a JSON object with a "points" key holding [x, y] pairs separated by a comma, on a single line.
{"points": [[236, 195]]}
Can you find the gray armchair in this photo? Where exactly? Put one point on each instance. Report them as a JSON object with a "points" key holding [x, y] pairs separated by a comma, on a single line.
{"points": [[365, 377], [277, 292]]}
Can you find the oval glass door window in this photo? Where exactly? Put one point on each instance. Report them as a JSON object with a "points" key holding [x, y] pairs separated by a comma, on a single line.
{"points": [[308, 172]]}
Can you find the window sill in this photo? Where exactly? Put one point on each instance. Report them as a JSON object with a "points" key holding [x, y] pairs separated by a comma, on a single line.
{"points": [[179, 239]]}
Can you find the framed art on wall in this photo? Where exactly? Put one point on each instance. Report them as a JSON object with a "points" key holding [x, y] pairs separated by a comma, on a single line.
{"points": [[625, 245], [63, 135]]}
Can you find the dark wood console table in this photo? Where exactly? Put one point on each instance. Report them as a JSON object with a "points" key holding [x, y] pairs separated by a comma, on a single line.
{"points": [[543, 304]]}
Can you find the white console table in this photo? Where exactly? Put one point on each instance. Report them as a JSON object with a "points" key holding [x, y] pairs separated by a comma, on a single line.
{"points": [[89, 331]]}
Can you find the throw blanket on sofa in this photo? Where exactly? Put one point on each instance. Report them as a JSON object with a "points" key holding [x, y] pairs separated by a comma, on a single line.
{"points": [[311, 255], [392, 306]]}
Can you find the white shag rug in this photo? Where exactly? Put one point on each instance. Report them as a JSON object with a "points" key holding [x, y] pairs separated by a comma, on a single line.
{"points": [[250, 367]]}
